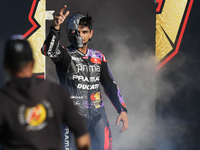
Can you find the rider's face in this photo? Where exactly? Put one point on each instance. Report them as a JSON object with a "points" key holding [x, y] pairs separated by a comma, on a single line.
{"points": [[85, 33]]}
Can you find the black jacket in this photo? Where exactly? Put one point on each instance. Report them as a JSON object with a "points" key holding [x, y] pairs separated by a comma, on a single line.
{"points": [[32, 112]]}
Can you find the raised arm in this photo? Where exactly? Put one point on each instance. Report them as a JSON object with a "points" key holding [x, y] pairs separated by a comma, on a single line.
{"points": [[51, 46]]}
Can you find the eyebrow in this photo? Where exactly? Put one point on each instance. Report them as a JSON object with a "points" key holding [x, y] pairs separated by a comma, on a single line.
{"points": [[86, 30]]}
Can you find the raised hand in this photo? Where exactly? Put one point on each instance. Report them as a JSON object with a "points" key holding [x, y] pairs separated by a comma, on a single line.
{"points": [[60, 17]]}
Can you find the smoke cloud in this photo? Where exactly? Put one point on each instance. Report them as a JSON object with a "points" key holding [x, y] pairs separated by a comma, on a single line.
{"points": [[135, 74]]}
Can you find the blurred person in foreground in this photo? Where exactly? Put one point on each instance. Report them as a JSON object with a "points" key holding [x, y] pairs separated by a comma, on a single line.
{"points": [[32, 110], [81, 70]]}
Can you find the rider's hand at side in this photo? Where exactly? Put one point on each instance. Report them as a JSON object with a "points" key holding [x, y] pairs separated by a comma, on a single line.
{"points": [[124, 118]]}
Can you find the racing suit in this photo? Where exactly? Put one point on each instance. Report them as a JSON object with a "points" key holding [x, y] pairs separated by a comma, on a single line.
{"points": [[82, 74]]}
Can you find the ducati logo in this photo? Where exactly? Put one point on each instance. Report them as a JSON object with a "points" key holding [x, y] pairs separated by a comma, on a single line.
{"points": [[171, 20]]}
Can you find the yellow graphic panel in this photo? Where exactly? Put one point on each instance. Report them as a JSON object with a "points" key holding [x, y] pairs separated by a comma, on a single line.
{"points": [[167, 24], [37, 39]]}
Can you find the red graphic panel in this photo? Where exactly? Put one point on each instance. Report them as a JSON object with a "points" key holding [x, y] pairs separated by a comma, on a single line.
{"points": [[160, 4], [32, 20]]}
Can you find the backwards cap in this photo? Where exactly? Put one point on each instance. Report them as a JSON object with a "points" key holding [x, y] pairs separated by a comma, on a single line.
{"points": [[17, 50]]}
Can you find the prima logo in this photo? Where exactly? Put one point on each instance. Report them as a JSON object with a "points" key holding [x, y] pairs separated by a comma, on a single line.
{"points": [[86, 68]]}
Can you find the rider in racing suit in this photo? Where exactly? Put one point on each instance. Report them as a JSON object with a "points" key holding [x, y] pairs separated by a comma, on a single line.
{"points": [[82, 73]]}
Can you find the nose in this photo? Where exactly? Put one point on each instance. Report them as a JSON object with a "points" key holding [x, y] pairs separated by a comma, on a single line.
{"points": [[81, 34]]}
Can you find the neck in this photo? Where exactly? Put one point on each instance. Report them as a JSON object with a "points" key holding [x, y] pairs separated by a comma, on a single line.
{"points": [[83, 49], [24, 74]]}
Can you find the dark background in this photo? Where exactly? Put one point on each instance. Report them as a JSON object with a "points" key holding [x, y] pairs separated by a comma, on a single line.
{"points": [[180, 112], [14, 20]]}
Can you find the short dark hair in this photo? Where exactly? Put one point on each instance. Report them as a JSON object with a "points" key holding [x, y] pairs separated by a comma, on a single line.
{"points": [[18, 66], [86, 21]]}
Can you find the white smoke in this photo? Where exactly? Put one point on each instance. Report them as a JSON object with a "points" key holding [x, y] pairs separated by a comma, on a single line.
{"points": [[136, 79], [143, 88]]}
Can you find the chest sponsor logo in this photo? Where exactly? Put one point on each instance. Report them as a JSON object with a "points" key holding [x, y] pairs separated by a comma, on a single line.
{"points": [[95, 96], [96, 60], [96, 99], [85, 57], [86, 79], [76, 97], [87, 68], [88, 87], [35, 116]]}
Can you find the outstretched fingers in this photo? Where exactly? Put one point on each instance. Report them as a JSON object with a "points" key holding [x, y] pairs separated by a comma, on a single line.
{"points": [[63, 9], [61, 12], [60, 17]]}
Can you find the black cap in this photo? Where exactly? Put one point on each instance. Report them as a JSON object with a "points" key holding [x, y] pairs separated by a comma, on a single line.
{"points": [[17, 50]]}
